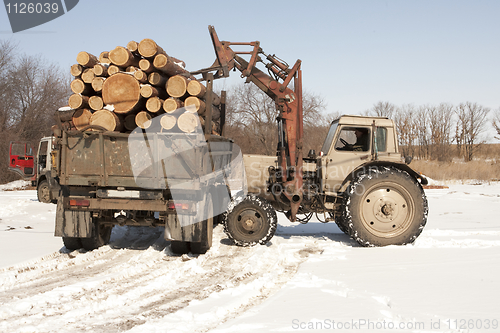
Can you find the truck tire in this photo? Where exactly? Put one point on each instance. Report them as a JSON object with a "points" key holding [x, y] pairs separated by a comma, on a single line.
{"points": [[251, 221], [385, 206], [43, 192], [207, 229], [72, 243], [101, 234], [179, 247]]}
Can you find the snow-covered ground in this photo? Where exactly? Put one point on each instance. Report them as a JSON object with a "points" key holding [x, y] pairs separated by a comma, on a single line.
{"points": [[309, 278]]}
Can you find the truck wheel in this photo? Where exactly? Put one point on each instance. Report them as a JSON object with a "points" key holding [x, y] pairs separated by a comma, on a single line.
{"points": [[385, 206], [101, 234], [250, 222], [43, 192], [207, 229], [72, 243]]}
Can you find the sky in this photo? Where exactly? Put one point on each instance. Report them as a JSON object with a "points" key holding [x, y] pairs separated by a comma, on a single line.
{"points": [[354, 53]]}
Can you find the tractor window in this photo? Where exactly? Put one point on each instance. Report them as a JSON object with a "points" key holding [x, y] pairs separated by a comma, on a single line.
{"points": [[381, 139], [353, 139], [329, 138]]}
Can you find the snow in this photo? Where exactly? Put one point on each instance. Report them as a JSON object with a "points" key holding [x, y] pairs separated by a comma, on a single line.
{"points": [[310, 277]]}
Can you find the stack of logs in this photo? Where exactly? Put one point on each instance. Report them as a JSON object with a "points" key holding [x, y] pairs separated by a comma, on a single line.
{"points": [[129, 86]]}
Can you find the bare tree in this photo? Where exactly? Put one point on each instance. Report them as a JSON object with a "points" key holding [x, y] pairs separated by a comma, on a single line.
{"points": [[470, 126], [405, 119], [440, 125], [496, 123], [382, 109]]}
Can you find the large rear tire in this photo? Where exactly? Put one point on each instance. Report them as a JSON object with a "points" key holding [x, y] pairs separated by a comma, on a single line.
{"points": [[72, 243], [250, 222], [385, 206], [207, 227], [101, 233]]}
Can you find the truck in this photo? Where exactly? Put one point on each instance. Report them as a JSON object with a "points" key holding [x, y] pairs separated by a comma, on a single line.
{"points": [[187, 183]]}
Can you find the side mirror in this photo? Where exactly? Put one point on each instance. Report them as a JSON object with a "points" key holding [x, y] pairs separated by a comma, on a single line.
{"points": [[408, 159]]}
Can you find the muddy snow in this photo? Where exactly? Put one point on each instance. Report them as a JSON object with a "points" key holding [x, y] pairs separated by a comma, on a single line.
{"points": [[308, 278]]}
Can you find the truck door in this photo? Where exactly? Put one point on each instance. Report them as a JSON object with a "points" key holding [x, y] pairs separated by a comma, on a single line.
{"points": [[21, 159]]}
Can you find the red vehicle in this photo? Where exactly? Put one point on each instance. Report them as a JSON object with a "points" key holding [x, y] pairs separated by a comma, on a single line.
{"points": [[21, 159]]}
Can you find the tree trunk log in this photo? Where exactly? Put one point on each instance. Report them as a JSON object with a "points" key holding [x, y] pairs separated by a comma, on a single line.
{"points": [[77, 101], [101, 70], [196, 88], [168, 121], [106, 119], [158, 80], [133, 46], [177, 86], [96, 103], [76, 70], [141, 76], [113, 69], [65, 114], [97, 84], [86, 59], [88, 75], [104, 58], [146, 66], [80, 87], [148, 48], [122, 57], [167, 65], [154, 104], [188, 122], [143, 119], [172, 104], [148, 91], [123, 92], [194, 104], [81, 118]]}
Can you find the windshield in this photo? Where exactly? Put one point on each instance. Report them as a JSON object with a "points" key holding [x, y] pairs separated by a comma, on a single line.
{"points": [[329, 138]]}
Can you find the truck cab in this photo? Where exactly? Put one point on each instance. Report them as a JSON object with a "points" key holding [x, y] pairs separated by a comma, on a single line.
{"points": [[43, 179]]}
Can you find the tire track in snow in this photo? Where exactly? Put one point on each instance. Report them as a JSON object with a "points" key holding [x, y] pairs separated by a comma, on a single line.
{"points": [[111, 290]]}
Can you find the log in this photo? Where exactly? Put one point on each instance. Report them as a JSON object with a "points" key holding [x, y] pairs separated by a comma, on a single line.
{"points": [[97, 84], [86, 59], [172, 104], [133, 46], [77, 101], [101, 70], [148, 91], [168, 121], [194, 104], [104, 58], [76, 70], [143, 120], [113, 69], [146, 66], [122, 57], [88, 75], [123, 92], [106, 119], [81, 118], [167, 65], [177, 86], [65, 114], [188, 122], [141, 76], [158, 80], [129, 122], [196, 88], [154, 104], [96, 103], [148, 48], [79, 87]]}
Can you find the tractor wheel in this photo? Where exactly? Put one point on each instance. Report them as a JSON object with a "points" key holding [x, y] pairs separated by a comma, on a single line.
{"points": [[101, 234], [250, 222], [385, 206], [72, 243], [43, 192]]}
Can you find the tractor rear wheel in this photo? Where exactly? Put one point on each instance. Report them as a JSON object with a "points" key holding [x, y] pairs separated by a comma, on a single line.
{"points": [[385, 206]]}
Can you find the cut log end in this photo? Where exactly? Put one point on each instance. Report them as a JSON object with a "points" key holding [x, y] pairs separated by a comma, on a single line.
{"points": [[81, 118], [172, 105], [107, 120], [123, 91], [168, 122], [177, 86], [143, 120], [86, 59], [188, 122]]}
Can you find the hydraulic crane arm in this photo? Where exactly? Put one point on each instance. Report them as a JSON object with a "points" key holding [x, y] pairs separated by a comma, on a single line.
{"points": [[288, 103]]}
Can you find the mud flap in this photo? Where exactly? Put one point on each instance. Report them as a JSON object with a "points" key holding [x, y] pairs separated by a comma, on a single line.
{"points": [[72, 223], [179, 228]]}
